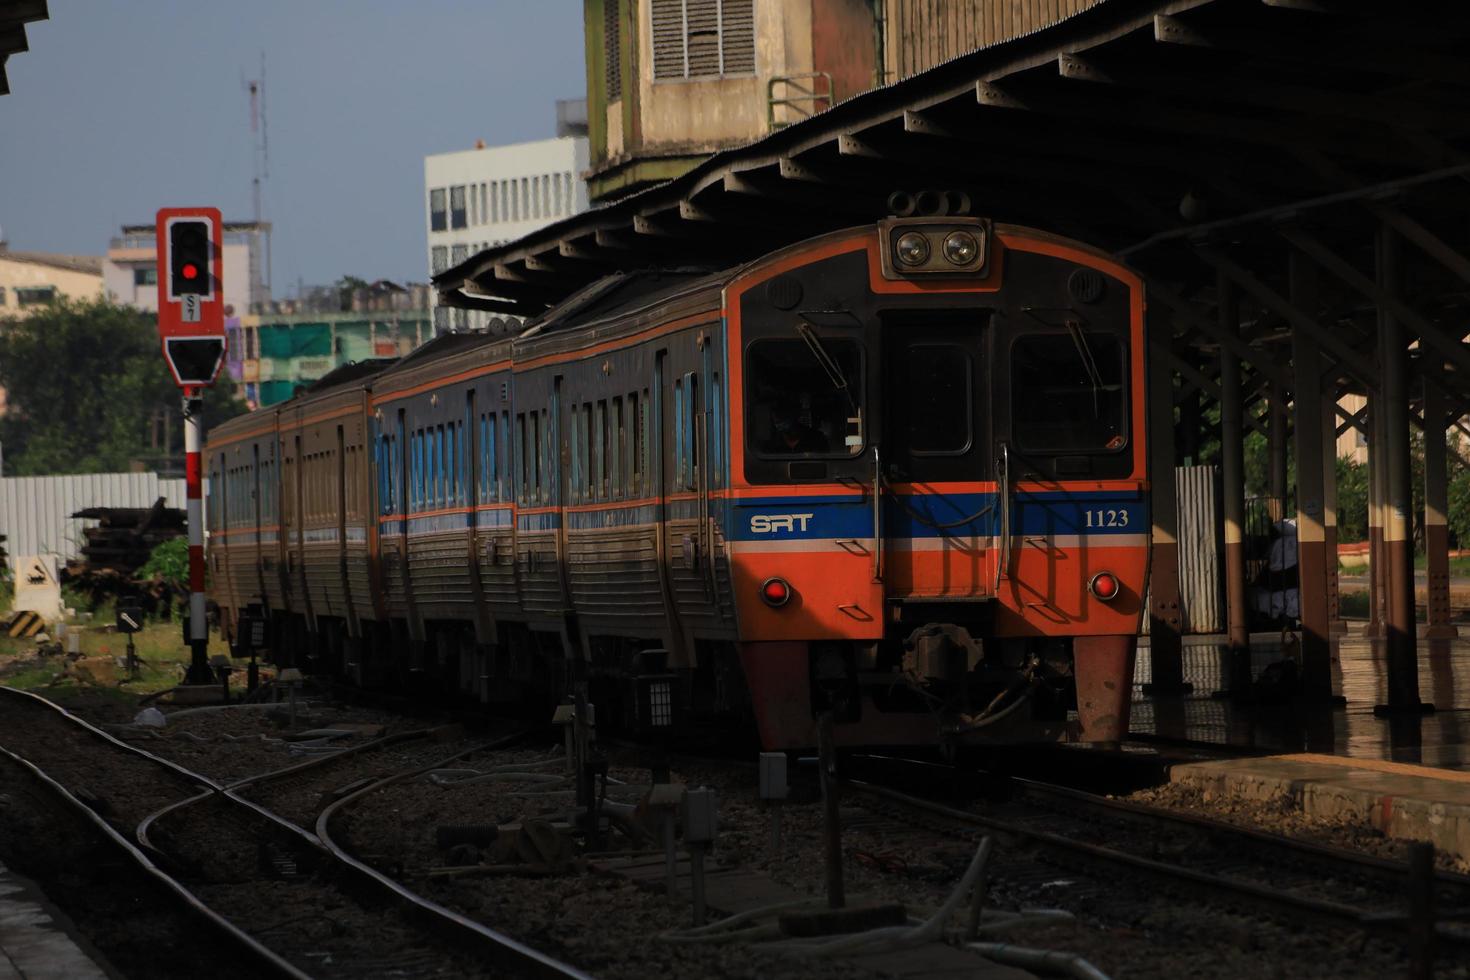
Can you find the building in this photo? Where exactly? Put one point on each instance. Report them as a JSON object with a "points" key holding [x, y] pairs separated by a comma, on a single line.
{"points": [[671, 81], [488, 195], [30, 279], [274, 353], [130, 272]]}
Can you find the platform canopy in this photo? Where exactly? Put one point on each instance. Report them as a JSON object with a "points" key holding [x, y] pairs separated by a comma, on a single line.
{"points": [[14, 15], [1194, 138]]}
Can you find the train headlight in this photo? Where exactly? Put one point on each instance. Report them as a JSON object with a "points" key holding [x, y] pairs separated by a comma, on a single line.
{"points": [[1104, 586], [775, 592], [912, 248], [961, 248]]}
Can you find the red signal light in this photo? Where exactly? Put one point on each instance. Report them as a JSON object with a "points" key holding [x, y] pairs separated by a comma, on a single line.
{"points": [[1104, 585], [775, 592], [190, 270]]}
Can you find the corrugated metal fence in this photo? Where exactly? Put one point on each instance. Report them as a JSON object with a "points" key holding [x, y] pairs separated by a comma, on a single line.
{"points": [[1201, 600], [34, 509]]}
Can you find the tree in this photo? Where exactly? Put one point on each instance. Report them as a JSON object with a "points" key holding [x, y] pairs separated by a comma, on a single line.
{"points": [[83, 382]]}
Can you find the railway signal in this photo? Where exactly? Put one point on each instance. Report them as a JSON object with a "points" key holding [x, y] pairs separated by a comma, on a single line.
{"points": [[191, 329]]}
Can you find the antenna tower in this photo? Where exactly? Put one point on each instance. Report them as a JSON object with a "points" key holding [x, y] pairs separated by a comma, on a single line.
{"points": [[260, 165]]}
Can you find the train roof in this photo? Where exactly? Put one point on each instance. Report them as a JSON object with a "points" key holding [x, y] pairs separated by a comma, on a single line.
{"points": [[348, 373], [624, 292]]}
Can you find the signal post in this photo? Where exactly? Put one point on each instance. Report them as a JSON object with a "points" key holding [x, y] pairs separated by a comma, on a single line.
{"points": [[191, 331]]}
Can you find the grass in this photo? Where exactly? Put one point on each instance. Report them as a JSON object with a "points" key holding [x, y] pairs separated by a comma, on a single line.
{"points": [[99, 677], [1459, 566]]}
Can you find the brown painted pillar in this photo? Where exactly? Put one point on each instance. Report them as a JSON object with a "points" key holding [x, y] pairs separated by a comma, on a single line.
{"points": [[1436, 508], [1232, 488], [1306, 363], [1377, 585], [1336, 626], [1401, 646], [1276, 454], [1166, 653]]}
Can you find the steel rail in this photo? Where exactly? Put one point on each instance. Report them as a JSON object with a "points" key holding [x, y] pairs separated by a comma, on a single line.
{"points": [[1319, 910], [470, 935], [518, 956], [253, 948]]}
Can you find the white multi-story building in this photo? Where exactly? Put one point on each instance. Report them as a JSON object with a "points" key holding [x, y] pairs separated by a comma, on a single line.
{"points": [[130, 270], [489, 195]]}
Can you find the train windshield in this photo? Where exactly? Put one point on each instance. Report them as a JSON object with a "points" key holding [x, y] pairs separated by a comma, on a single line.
{"points": [[1068, 393], [798, 402]]}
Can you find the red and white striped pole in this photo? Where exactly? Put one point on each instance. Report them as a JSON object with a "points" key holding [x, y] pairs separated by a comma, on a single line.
{"points": [[198, 633]]}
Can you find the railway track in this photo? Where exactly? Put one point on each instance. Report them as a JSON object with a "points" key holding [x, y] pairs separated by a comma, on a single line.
{"points": [[296, 906], [1106, 841]]}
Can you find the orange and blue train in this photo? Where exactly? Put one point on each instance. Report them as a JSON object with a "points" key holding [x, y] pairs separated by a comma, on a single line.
{"points": [[894, 476]]}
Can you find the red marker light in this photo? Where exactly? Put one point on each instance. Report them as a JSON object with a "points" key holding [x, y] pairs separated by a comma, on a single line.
{"points": [[775, 592], [190, 270], [1104, 585]]}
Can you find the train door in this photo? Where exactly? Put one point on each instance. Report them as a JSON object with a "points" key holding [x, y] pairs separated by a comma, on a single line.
{"points": [[344, 473], [257, 535], [940, 491], [663, 431]]}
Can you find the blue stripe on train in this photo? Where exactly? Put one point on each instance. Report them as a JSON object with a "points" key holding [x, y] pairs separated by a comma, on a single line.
{"points": [[938, 515]]}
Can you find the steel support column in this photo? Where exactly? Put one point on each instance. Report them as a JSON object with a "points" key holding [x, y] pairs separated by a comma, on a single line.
{"points": [[1166, 655], [1401, 647], [1316, 648], [1232, 489], [1436, 508]]}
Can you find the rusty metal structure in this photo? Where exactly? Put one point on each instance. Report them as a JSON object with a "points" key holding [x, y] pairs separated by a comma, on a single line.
{"points": [[1289, 176]]}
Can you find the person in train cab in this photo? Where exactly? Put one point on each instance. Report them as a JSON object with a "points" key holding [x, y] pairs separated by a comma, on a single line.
{"points": [[792, 431]]}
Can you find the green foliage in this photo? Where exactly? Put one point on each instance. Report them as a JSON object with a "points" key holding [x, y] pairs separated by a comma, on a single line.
{"points": [[168, 561], [84, 382], [1352, 501]]}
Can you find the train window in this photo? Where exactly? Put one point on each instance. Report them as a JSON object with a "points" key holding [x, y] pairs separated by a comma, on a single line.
{"points": [[507, 462], [934, 416], [451, 466], [521, 459], [462, 475], [616, 447], [599, 451], [416, 494], [630, 467], [543, 470], [584, 451], [1067, 392], [795, 406], [716, 431]]}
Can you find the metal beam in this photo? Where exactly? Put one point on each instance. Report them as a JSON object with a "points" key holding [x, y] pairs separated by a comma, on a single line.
{"points": [[1430, 333], [1354, 362]]}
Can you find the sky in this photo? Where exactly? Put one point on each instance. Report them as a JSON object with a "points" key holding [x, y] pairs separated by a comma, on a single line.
{"points": [[121, 107]]}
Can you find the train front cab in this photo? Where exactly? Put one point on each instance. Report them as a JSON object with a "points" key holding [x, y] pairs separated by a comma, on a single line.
{"points": [[988, 381]]}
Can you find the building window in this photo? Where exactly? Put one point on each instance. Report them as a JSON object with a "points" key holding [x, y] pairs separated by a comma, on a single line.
{"points": [[456, 207], [546, 195], [571, 194], [145, 276], [494, 201], [556, 194], [523, 203], [459, 254], [484, 209], [438, 259], [612, 49], [504, 202], [703, 38], [35, 295], [438, 218], [2, 295], [474, 207], [535, 205], [441, 319]]}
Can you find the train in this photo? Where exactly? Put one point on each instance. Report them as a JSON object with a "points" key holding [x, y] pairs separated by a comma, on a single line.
{"points": [[891, 478]]}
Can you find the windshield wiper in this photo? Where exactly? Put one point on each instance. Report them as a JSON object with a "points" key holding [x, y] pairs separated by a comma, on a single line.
{"points": [[829, 364], [1084, 351]]}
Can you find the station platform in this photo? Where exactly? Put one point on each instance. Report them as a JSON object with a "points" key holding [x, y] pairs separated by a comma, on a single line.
{"points": [[37, 942], [1404, 775]]}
